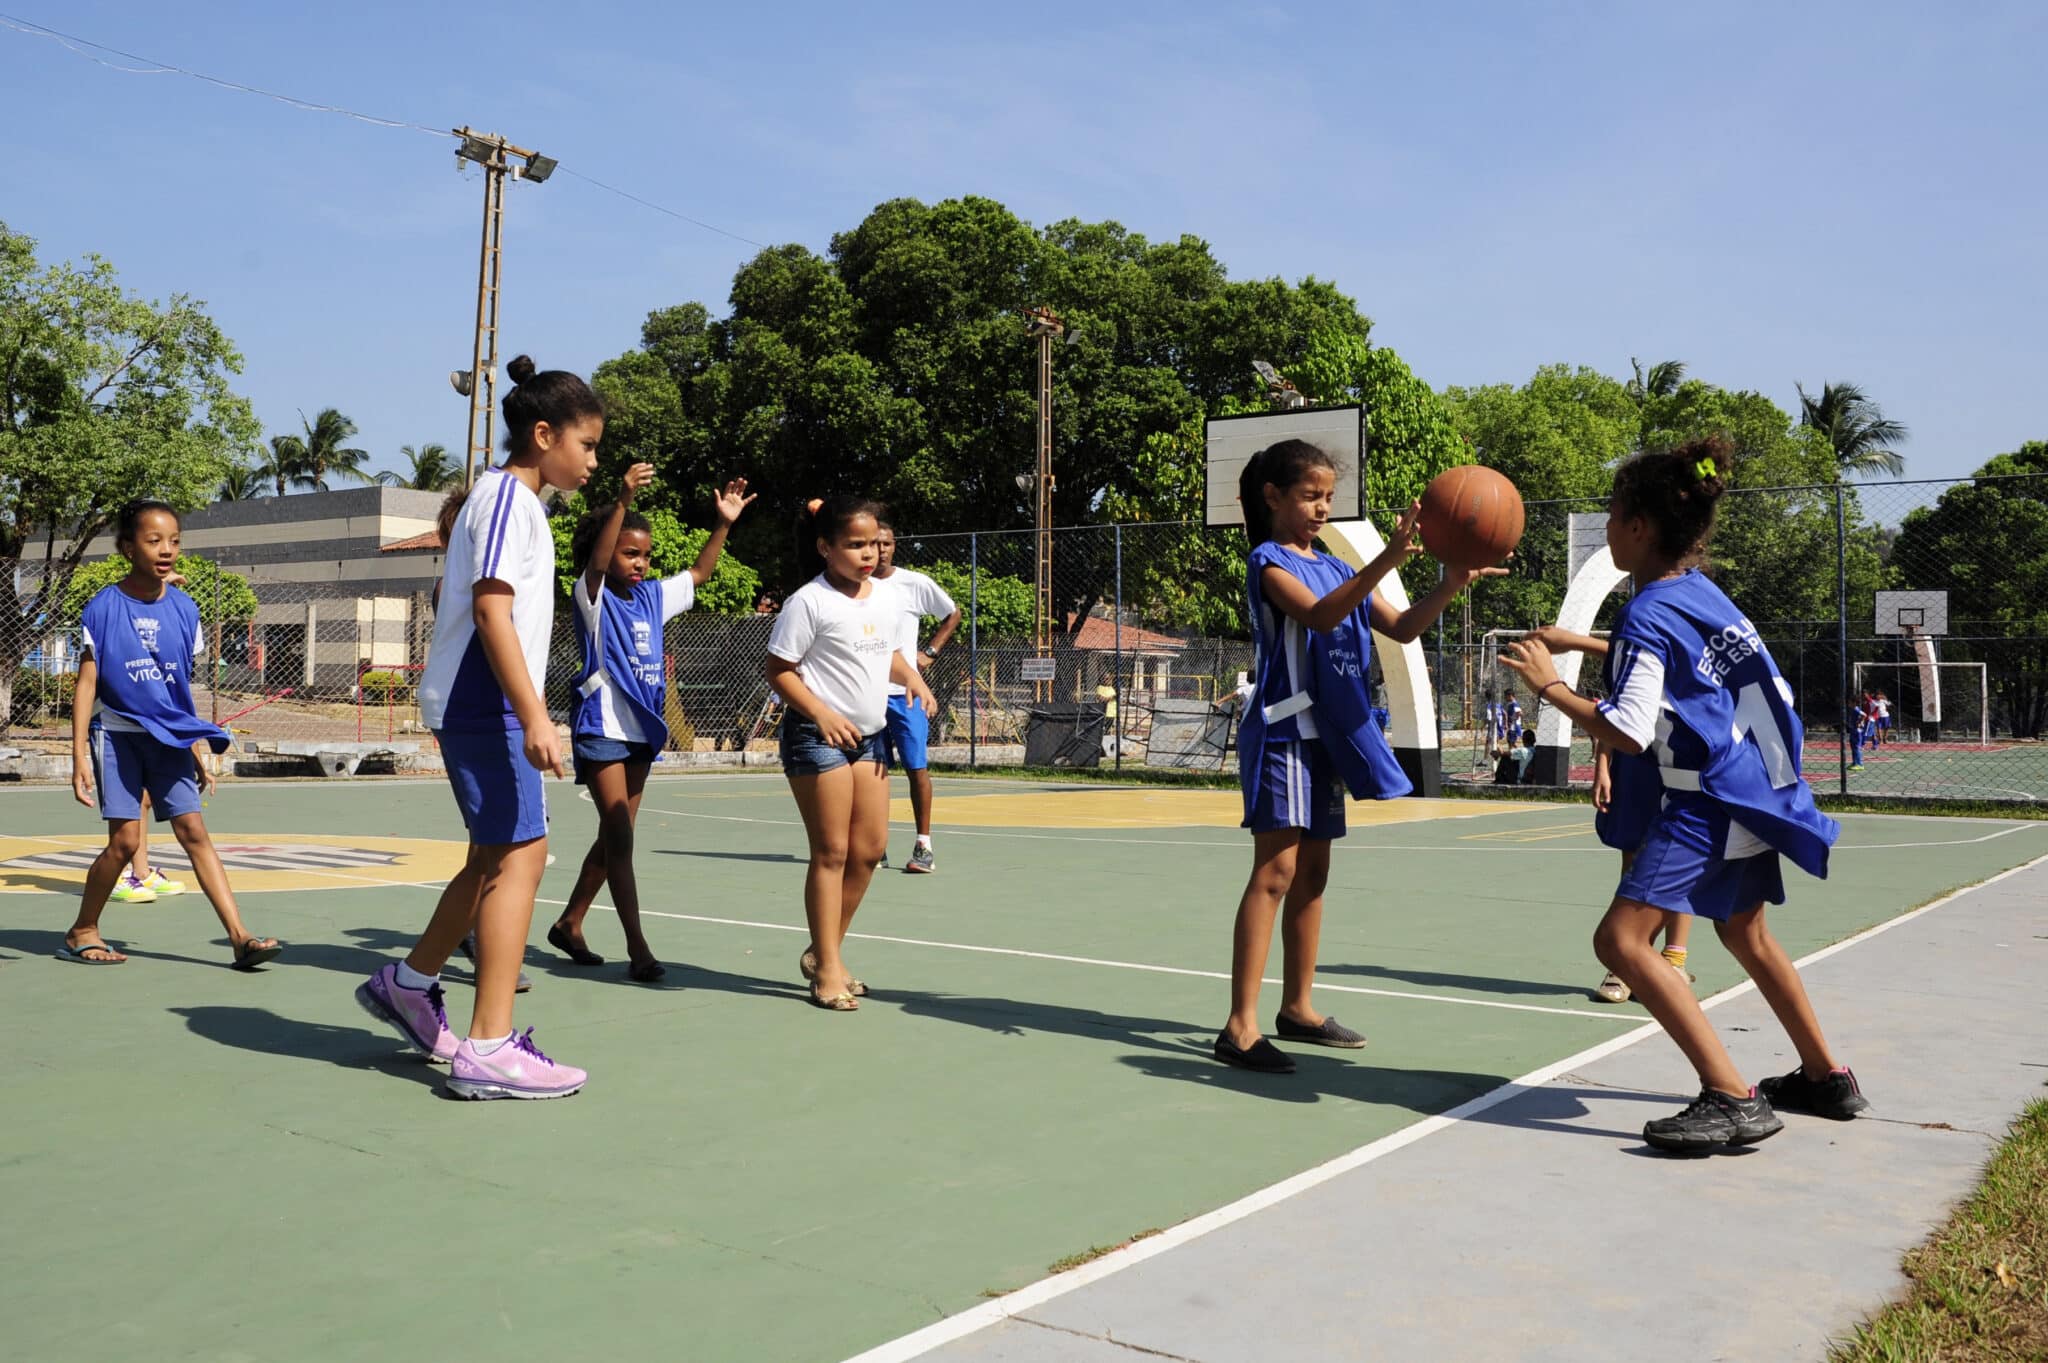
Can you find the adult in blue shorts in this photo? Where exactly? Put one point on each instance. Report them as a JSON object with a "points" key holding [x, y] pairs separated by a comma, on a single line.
{"points": [[909, 726]]}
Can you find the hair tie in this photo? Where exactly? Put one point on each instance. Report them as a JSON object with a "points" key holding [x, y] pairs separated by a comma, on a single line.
{"points": [[811, 507], [1706, 468]]}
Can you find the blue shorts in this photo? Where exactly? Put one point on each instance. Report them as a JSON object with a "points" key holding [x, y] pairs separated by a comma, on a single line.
{"points": [[806, 753], [1298, 788], [1680, 867], [125, 765], [905, 731], [594, 750], [496, 788]]}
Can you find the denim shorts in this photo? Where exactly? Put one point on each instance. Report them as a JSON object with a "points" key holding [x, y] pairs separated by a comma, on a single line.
{"points": [[806, 753], [594, 750]]}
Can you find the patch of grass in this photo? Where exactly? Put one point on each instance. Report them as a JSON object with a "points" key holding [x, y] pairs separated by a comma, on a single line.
{"points": [[1086, 1256], [1980, 1286]]}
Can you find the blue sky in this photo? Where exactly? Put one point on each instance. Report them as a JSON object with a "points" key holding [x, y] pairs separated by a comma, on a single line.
{"points": [[1773, 193]]}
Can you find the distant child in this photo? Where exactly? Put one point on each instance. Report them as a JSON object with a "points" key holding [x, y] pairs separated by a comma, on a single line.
{"points": [[1626, 793], [1693, 684], [1513, 767], [1858, 721], [1884, 719], [909, 727], [482, 695], [1307, 733], [136, 737], [143, 883], [621, 721], [831, 657]]}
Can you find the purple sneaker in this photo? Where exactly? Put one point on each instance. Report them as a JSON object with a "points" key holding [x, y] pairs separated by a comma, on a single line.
{"points": [[516, 1069], [415, 1014]]}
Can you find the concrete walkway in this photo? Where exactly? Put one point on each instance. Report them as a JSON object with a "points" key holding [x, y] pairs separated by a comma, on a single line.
{"points": [[1542, 1228]]}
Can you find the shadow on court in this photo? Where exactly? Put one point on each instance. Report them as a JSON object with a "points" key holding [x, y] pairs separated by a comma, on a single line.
{"points": [[1321, 1076], [355, 1048], [783, 857], [1444, 980]]}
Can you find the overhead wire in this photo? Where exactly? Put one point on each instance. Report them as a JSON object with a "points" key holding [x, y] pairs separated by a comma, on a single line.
{"points": [[153, 67]]}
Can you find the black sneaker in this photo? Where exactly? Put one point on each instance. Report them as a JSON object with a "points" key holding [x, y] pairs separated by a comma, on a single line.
{"points": [[1837, 1097], [1263, 1057], [1712, 1121]]}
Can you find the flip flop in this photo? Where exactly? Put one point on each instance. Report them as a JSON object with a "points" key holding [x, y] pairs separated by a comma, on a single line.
{"points": [[564, 943], [77, 954], [645, 972], [254, 951]]}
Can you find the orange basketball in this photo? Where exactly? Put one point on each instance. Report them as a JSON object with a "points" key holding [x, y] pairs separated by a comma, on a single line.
{"points": [[1471, 516]]}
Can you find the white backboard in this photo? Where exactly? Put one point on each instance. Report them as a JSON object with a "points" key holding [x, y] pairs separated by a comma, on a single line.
{"points": [[1919, 613], [1233, 440]]}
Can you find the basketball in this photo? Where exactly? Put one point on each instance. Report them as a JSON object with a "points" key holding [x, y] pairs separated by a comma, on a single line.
{"points": [[1471, 517]]}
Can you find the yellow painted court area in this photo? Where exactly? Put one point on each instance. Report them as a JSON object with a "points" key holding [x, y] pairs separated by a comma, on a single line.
{"points": [[1086, 807], [265, 862]]}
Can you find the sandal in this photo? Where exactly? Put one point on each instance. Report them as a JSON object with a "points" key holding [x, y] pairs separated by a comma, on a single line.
{"points": [[807, 965], [567, 945], [645, 972], [81, 954], [839, 1003], [251, 952]]}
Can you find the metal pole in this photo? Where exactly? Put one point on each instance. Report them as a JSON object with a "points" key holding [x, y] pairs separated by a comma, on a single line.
{"points": [[973, 644], [480, 383], [1842, 634], [1116, 678], [218, 664], [1044, 607]]}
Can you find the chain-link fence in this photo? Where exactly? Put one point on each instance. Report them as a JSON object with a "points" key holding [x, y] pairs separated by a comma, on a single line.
{"points": [[1145, 646]]}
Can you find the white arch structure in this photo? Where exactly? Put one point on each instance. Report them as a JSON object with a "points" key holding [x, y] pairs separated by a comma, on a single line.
{"points": [[1411, 704], [1592, 584]]}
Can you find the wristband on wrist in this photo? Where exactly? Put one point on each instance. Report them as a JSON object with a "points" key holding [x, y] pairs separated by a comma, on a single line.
{"points": [[1558, 681], [929, 651]]}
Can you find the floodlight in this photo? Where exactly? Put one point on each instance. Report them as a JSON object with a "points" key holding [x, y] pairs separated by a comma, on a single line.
{"points": [[477, 149], [1024, 482], [462, 381], [539, 167]]}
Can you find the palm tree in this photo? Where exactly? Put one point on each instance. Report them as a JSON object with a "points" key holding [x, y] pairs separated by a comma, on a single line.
{"points": [[324, 452], [431, 470], [1855, 429], [1661, 381], [285, 462], [242, 483]]}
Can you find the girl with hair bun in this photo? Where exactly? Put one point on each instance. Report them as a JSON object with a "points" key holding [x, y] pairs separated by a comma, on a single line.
{"points": [[1693, 687], [831, 657], [482, 695]]}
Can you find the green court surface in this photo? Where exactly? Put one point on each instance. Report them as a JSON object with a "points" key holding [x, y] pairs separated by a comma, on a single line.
{"points": [[201, 1164]]}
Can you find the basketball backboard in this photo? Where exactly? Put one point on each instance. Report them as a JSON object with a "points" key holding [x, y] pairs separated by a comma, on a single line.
{"points": [[1233, 440], [1924, 614]]}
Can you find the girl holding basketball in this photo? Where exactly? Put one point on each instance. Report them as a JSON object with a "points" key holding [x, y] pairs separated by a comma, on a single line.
{"points": [[1307, 733], [831, 657], [621, 721], [136, 740], [1695, 688], [482, 694]]}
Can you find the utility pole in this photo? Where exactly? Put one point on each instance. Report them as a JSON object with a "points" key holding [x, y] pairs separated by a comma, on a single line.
{"points": [[479, 383], [1042, 323]]}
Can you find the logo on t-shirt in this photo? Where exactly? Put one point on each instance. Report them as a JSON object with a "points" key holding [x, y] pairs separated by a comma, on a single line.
{"points": [[642, 637], [146, 630], [1725, 648]]}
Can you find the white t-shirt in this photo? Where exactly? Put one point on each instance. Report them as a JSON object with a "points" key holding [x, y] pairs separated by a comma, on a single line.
{"points": [[501, 535], [615, 718], [921, 597], [842, 646]]}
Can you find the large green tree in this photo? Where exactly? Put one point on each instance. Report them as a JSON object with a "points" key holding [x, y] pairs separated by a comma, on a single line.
{"points": [[324, 452], [898, 365], [427, 468], [104, 396]]}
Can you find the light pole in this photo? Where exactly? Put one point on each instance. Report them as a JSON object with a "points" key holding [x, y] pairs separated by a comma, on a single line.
{"points": [[1042, 323], [479, 383]]}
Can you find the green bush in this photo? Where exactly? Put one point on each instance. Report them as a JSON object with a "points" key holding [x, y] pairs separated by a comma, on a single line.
{"points": [[383, 686], [38, 694]]}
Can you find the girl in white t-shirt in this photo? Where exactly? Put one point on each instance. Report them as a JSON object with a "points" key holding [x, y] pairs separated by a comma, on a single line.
{"points": [[831, 658], [621, 715]]}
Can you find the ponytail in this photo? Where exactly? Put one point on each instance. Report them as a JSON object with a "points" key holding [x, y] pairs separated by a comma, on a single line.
{"points": [[824, 518], [1281, 465]]}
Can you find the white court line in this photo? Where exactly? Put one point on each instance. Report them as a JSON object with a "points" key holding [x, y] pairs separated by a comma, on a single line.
{"points": [[919, 1342], [1037, 955]]}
